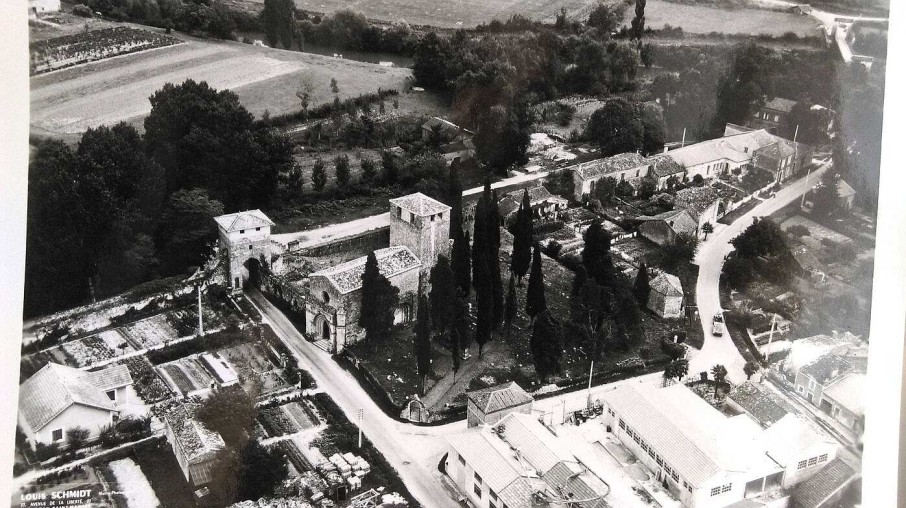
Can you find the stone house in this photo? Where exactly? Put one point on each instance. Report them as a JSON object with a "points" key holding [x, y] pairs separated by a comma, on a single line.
{"points": [[629, 167], [666, 296], [544, 205], [772, 114], [58, 398], [663, 228], [702, 203], [489, 405], [836, 385]]}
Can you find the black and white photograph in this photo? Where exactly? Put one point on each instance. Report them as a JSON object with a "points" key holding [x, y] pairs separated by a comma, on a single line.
{"points": [[486, 254]]}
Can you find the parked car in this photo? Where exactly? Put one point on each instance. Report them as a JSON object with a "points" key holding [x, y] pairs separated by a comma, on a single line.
{"points": [[717, 327]]}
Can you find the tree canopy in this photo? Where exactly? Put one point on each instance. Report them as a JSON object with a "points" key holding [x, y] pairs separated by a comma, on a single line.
{"points": [[379, 300]]}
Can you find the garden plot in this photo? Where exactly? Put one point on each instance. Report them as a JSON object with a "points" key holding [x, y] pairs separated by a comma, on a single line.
{"points": [[186, 376], [251, 362], [131, 481], [84, 352], [148, 384], [149, 332], [68, 50], [288, 418]]}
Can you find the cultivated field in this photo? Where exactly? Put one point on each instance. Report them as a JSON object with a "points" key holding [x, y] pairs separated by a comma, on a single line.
{"points": [[469, 13], [71, 100]]}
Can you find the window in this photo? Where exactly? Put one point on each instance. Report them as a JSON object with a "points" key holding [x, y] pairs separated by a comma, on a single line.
{"points": [[811, 383], [241, 231], [492, 494], [636, 438], [660, 461], [651, 453], [812, 461], [250, 247], [432, 218], [399, 213], [776, 118], [111, 394], [801, 465], [689, 488], [622, 424], [56, 435], [674, 476], [477, 478], [637, 172], [645, 446], [822, 458], [257, 229], [726, 488], [800, 389], [715, 491], [477, 489], [325, 297], [610, 412], [462, 461], [667, 469]]}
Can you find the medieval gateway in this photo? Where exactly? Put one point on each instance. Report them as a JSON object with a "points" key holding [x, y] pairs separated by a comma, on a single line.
{"points": [[318, 273]]}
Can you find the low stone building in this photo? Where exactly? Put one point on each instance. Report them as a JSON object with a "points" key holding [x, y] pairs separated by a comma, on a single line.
{"points": [[702, 203], [544, 205], [194, 446], [664, 228], [489, 405], [666, 296]]}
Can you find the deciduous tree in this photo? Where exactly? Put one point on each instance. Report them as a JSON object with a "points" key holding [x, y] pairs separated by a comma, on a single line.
{"points": [[617, 127], [318, 175]]}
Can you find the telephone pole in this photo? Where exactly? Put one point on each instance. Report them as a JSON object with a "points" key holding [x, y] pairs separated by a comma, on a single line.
{"points": [[361, 418], [200, 315]]}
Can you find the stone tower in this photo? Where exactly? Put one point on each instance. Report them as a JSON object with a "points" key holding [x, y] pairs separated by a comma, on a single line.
{"points": [[246, 237], [422, 224]]}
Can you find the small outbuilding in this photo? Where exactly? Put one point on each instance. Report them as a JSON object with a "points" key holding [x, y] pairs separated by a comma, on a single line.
{"points": [[666, 296], [489, 405]]}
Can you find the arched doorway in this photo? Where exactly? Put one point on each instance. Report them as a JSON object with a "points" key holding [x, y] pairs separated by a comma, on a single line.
{"points": [[253, 267], [401, 314], [325, 330]]}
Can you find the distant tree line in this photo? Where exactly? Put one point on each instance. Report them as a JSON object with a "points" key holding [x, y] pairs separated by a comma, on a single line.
{"points": [[189, 16], [121, 208]]}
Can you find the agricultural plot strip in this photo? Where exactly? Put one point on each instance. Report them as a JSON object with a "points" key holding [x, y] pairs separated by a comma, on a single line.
{"points": [[69, 50]]}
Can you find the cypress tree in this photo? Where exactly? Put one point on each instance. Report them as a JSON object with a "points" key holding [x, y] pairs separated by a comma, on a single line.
{"points": [[511, 306], [318, 175], [461, 262], [443, 290], [546, 345], [522, 239], [535, 302], [638, 22], [642, 288], [596, 253], [459, 329], [379, 298], [423, 341]]}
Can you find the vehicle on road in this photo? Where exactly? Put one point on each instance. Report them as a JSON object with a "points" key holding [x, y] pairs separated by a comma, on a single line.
{"points": [[717, 327]]}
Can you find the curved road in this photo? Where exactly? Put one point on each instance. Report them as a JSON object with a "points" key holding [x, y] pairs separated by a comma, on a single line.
{"points": [[710, 260]]}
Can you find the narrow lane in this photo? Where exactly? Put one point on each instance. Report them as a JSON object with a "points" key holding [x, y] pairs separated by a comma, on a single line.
{"points": [[710, 259]]}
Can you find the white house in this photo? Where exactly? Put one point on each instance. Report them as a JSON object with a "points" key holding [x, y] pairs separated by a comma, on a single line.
{"points": [[58, 398]]}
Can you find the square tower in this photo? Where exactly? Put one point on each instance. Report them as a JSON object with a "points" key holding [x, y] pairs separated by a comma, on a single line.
{"points": [[246, 236], [422, 224]]}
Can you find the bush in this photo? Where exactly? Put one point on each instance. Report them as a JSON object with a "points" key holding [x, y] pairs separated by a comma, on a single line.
{"points": [[82, 10], [798, 230], [46, 451]]}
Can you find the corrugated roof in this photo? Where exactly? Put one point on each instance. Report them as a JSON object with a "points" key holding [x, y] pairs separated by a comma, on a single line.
{"points": [[689, 434], [791, 438], [849, 392], [53, 389], [347, 277], [813, 492], [243, 220], [420, 204], [496, 398], [535, 443], [495, 463], [667, 284]]}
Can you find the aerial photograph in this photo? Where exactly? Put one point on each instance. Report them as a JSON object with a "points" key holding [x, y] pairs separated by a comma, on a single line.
{"points": [[461, 253]]}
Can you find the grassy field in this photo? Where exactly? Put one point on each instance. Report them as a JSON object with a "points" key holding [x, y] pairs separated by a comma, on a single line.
{"points": [[469, 13], [67, 102]]}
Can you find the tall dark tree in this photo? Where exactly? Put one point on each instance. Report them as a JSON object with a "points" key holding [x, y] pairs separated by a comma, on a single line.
{"points": [[638, 22], [187, 232], [341, 166], [642, 288], [318, 175], [278, 18], [719, 372], [546, 344], [652, 117], [423, 341], [512, 306], [459, 330], [617, 127], [576, 312], [522, 239], [461, 261], [443, 291], [379, 299], [205, 138], [486, 271], [749, 79], [596, 253], [826, 198], [535, 301]]}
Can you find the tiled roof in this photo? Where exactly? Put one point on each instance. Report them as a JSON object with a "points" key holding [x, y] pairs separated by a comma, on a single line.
{"points": [[696, 199], [779, 150], [194, 439], [494, 461], [689, 434], [793, 438], [813, 492], [609, 165], [780, 104], [420, 204], [243, 220], [109, 378], [347, 277], [55, 388], [760, 403], [828, 368], [849, 392], [497, 398], [535, 443], [667, 284], [664, 165]]}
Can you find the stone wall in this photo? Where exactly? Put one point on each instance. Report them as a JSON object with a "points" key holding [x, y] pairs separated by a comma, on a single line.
{"points": [[364, 242]]}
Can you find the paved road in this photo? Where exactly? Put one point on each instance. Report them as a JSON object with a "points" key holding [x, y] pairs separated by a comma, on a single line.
{"points": [[710, 259], [396, 444]]}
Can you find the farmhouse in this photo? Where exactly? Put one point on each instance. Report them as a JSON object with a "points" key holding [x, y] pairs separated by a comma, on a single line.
{"points": [[629, 167], [666, 296], [194, 446], [702, 203], [835, 385], [58, 398], [519, 463], [705, 458], [772, 114], [544, 205], [663, 228], [489, 405]]}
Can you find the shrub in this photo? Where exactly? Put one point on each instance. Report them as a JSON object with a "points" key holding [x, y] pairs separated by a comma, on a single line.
{"points": [[798, 230], [46, 451], [82, 10]]}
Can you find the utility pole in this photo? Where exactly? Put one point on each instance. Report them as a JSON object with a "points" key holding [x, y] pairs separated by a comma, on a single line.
{"points": [[683, 142], [591, 370], [200, 315], [771, 336], [361, 418]]}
